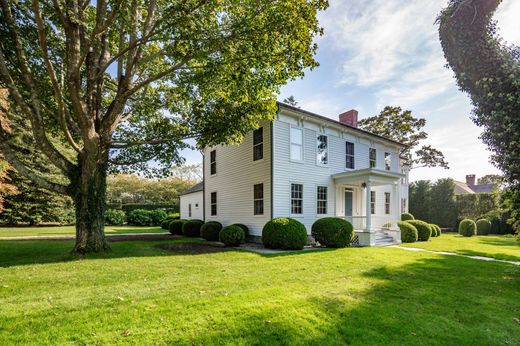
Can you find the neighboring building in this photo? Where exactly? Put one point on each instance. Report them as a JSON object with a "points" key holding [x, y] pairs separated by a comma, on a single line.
{"points": [[469, 187], [192, 203], [306, 166]]}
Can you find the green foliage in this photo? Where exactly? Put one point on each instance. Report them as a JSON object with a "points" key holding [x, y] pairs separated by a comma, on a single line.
{"points": [[115, 217], [443, 208], [210, 230], [420, 202], [473, 206], [407, 216], [483, 227], [191, 228], [156, 217], [333, 232], [139, 217], [284, 233], [232, 235], [403, 127], [409, 233], [424, 230], [433, 230], [467, 228], [165, 223], [438, 229], [244, 228], [176, 227]]}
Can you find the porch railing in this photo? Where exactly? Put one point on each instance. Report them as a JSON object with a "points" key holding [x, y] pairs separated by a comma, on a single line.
{"points": [[359, 222], [376, 222]]}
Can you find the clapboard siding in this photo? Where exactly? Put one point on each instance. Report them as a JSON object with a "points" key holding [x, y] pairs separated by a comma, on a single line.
{"points": [[195, 199], [236, 175]]}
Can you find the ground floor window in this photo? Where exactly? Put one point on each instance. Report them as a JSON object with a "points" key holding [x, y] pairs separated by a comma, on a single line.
{"points": [[387, 202], [321, 200], [372, 202], [296, 198], [213, 203], [189, 210], [403, 205], [258, 199]]}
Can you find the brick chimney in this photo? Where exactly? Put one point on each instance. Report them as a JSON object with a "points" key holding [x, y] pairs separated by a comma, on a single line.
{"points": [[470, 179], [349, 118]]}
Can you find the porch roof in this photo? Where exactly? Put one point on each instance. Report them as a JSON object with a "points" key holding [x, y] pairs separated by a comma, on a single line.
{"points": [[367, 175]]}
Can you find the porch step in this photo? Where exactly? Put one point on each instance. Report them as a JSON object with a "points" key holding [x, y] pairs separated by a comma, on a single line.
{"points": [[383, 239]]}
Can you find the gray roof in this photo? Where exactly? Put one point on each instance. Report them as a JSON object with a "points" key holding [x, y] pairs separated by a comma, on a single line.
{"points": [[463, 188], [195, 188], [483, 188]]}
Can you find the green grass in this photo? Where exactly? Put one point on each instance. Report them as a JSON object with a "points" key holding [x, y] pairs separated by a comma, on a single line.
{"points": [[140, 294], [70, 230], [504, 247]]}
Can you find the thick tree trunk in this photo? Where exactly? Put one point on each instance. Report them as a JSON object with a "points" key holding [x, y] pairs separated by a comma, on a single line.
{"points": [[89, 198]]}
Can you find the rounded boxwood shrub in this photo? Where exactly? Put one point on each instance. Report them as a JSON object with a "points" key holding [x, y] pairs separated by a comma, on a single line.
{"points": [[210, 230], [407, 216], [439, 231], [467, 228], [176, 227], [244, 228], [232, 235], [165, 224], [434, 230], [483, 227], [191, 228], [156, 217], [409, 233], [140, 217], [114, 217], [424, 231], [333, 232], [284, 233]]}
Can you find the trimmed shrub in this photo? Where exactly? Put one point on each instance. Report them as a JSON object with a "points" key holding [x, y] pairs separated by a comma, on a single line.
{"points": [[165, 224], [333, 232], [409, 233], [467, 228], [140, 217], [174, 216], [210, 230], [156, 216], [284, 233], [176, 227], [483, 227], [232, 235], [434, 230], [244, 228], [407, 216], [114, 217], [439, 231], [424, 231], [191, 228]]}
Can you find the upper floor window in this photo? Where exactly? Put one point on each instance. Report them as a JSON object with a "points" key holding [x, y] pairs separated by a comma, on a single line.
{"points": [[213, 162], [258, 144], [350, 155], [373, 157], [321, 199], [296, 198], [258, 199], [372, 202], [387, 202], [322, 150], [213, 203], [296, 144], [388, 161], [403, 204]]}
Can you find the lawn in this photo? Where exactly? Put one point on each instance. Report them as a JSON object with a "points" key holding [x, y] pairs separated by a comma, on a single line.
{"points": [[70, 230], [503, 247], [140, 294]]}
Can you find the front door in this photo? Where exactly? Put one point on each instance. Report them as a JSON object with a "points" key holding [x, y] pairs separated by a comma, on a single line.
{"points": [[348, 202]]}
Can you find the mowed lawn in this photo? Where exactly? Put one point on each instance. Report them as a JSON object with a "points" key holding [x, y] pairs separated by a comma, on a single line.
{"points": [[504, 247], [70, 230], [140, 294]]}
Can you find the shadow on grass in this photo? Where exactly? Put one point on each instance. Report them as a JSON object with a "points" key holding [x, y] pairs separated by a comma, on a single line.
{"points": [[498, 240]]}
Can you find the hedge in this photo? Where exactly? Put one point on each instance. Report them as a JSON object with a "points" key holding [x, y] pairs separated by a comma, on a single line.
{"points": [[176, 227], [467, 228], [409, 233], [284, 233], [210, 230], [333, 232], [232, 235], [191, 228], [424, 231], [115, 217], [483, 227], [407, 216], [244, 228]]}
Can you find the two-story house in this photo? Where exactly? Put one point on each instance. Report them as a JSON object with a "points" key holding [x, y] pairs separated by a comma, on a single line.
{"points": [[306, 166]]}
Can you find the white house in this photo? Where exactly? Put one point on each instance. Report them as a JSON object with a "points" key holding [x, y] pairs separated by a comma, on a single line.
{"points": [[192, 203], [306, 166]]}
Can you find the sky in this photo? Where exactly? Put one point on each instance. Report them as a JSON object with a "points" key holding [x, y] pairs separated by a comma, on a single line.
{"points": [[376, 53]]}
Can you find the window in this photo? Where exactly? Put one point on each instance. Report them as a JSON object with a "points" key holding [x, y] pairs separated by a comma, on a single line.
{"points": [[258, 199], [388, 161], [350, 155], [296, 144], [189, 210], [373, 155], [213, 203], [403, 204], [213, 162], [322, 150], [322, 200], [296, 198], [387, 202], [258, 144], [372, 202]]}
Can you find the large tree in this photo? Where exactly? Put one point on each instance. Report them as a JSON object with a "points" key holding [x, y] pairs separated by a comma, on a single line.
{"points": [[489, 71], [402, 126], [106, 86]]}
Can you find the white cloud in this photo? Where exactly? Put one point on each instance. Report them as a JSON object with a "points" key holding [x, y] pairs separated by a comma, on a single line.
{"points": [[508, 24]]}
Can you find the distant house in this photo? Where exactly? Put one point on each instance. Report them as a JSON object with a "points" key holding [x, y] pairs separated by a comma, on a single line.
{"points": [[192, 202], [306, 166], [469, 187]]}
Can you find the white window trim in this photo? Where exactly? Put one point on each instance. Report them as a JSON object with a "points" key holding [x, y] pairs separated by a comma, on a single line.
{"points": [[216, 170], [291, 143], [263, 199], [370, 160], [353, 155], [390, 161], [290, 199], [389, 204], [318, 163], [374, 202], [326, 200], [263, 146]]}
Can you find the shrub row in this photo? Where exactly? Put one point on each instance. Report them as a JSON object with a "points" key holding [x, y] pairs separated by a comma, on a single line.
{"points": [[413, 230], [137, 217]]}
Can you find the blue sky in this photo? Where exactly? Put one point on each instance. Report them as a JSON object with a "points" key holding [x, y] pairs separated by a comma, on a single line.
{"points": [[387, 52]]}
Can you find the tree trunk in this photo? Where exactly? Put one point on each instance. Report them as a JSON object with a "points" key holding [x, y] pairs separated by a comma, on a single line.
{"points": [[89, 198]]}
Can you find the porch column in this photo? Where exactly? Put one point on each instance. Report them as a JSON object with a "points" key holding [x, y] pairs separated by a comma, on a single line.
{"points": [[397, 199], [368, 225]]}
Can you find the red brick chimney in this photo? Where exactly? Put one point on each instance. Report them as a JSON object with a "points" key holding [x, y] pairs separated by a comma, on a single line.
{"points": [[349, 118], [470, 179]]}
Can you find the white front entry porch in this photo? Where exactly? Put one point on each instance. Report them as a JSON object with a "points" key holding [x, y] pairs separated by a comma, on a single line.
{"points": [[370, 200]]}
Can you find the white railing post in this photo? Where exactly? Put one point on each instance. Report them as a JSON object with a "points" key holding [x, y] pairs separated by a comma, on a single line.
{"points": [[368, 209]]}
